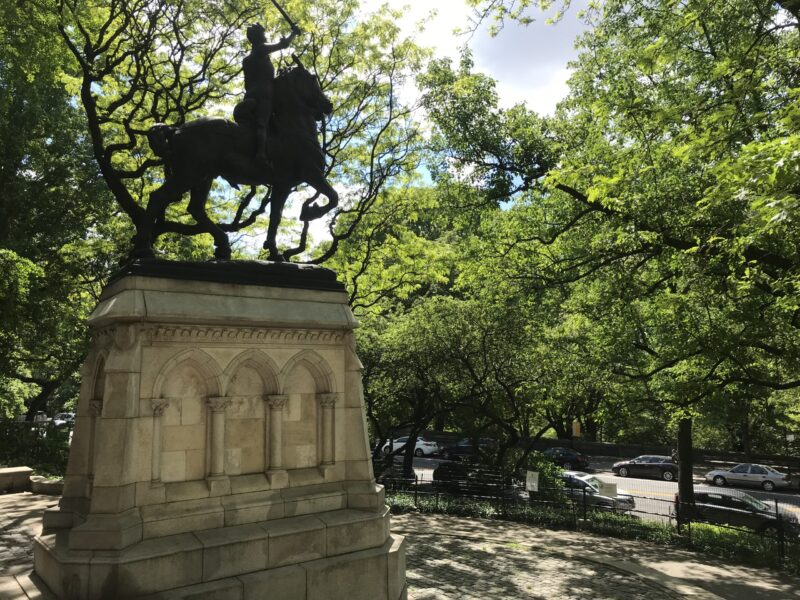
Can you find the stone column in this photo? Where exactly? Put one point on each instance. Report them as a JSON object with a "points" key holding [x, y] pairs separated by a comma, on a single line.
{"points": [[327, 402], [276, 404], [159, 406], [217, 408]]}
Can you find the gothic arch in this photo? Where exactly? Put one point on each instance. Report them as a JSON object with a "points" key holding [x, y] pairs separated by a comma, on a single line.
{"points": [[98, 377], [202, 362], [316, 365], [261, 363]]}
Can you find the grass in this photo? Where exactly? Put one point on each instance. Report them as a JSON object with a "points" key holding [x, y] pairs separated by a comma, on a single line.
{"points": [[734, 545]]}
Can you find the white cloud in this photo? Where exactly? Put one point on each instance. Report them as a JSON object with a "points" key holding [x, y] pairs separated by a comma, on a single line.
{"points": [[529, 63]]}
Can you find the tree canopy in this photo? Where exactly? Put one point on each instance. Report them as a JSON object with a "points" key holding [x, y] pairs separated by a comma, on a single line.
{"points": [[629, 262]]}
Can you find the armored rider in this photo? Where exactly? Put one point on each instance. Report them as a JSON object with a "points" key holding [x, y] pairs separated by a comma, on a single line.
{"points": [[259, 80]]}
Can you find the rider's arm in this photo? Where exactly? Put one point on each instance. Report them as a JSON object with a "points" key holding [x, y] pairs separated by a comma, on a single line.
{"points": [[282, 44]]}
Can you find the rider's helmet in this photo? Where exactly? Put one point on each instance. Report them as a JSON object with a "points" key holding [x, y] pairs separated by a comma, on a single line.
{"points": [[255, 33]]}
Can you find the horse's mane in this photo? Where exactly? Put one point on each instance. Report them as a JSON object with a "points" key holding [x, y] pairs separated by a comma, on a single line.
{"points": [[285, 79]]}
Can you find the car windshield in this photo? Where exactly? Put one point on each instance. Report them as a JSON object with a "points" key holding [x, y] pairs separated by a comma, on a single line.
{"points": [[771, 470], [754, 502], [593, 481]]}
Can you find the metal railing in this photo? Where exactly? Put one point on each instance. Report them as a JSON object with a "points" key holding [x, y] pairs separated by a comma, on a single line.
{"points": [[769, 538]]}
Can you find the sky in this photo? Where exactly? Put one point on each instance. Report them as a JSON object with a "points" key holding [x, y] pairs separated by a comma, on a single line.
{"points": [[529, 63]]}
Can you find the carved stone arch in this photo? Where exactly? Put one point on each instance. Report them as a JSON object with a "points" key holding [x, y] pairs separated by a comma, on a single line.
{"points": [[261, 363], [98, 376], [316, 365], [205, 365]]}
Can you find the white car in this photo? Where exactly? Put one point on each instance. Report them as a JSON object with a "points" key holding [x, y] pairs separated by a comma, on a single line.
{"points": [[423, 448], [64, 419]]}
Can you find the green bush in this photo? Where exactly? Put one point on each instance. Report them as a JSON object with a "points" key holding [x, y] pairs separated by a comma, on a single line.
{"points": [[43, 447]]}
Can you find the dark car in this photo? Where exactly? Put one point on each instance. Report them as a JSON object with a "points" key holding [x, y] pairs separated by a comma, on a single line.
{"points": [[661, 467], [465, 449], [568, 458], [471, 479], [730, 507]]}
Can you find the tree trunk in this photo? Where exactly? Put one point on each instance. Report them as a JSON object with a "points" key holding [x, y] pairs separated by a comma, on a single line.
{"points": [[408, 457], [685, 466], [563, 431], [39, 401], [590, 427]]}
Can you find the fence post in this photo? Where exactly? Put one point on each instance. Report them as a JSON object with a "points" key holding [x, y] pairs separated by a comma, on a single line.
{"points": [[781, 537], [574, 514], [416, 489], [436, 492], [584, 504]]}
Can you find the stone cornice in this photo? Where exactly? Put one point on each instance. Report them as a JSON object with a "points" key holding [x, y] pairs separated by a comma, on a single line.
{"points": [[242, 335]]}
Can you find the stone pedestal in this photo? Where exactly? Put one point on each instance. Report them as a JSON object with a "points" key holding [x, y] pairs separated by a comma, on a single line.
{"points": [[220, 446]]}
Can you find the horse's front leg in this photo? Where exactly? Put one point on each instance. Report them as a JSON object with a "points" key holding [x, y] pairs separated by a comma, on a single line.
{"points": [[197, 208], [160, 198], [279, 195], [316, 179]]}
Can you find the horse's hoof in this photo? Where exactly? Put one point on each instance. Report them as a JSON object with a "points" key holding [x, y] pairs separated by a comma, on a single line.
{"points": [[311, 212], [222, 254]]}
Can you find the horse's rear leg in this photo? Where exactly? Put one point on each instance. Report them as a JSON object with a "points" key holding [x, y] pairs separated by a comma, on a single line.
{"points": [[197, 208], [160, 198], [316, 179]]}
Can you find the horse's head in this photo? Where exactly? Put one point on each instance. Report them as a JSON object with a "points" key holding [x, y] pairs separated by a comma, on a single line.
{"points": [[307, 90]]}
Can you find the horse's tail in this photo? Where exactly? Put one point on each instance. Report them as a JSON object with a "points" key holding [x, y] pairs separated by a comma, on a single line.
{"points": [[159, 137]]}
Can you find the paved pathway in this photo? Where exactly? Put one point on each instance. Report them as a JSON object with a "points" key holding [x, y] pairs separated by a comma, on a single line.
{"points": [[503, 560], [450, 558]]}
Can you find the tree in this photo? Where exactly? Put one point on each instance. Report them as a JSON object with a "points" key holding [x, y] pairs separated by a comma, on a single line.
{"points": [[674, 195], [57, 225], [142, 62]]}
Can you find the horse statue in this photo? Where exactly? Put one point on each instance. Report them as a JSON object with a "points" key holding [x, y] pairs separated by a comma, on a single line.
{"points": [[199, 151]]}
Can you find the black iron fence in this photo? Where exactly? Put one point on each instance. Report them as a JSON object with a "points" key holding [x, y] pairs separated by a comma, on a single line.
{"points": [[726, 522]]}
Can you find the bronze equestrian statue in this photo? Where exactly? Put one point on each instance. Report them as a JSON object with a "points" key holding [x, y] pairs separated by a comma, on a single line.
{"points": [[199, 151]]}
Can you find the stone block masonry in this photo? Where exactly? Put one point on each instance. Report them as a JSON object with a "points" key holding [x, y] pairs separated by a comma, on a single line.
{"points": [[220, 434]]}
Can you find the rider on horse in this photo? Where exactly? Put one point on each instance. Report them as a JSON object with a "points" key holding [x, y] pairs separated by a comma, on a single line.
{"points": [[259, 78]]}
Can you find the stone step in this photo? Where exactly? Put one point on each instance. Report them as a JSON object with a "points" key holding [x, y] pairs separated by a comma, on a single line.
{"points": [[188, 559], [353, 576]]}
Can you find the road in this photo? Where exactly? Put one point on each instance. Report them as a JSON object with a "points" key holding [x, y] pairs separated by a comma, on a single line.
{"points": [[653, 496]]}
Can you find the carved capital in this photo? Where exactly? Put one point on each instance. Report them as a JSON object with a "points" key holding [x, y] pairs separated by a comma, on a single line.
{"points": [[159, 406], [327, 400], [95, 407], [218, 404], [277, 401]]}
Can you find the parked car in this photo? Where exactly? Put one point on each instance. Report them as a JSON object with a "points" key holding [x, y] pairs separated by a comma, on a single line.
{"points": [[40, 417], [662, 467], [465, 478], [465, 449], [582, 487], [423, 447], [568, 458], [66, 418], [761, 476], [731, 507]]}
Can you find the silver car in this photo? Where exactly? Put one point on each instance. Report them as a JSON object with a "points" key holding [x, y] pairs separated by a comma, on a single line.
{"points": [[749, 474], [583, 487]]}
